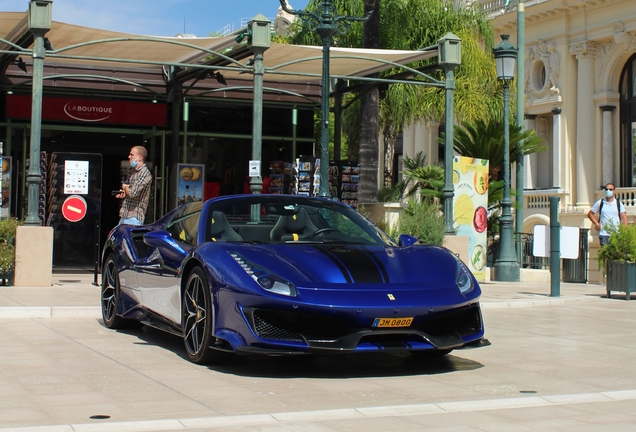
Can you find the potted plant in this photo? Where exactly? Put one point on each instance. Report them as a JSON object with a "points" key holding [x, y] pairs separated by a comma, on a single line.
{"points": [[618, 260], [8, 228]]}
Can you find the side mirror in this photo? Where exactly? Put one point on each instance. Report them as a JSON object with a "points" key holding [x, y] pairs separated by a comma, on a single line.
{"points": [[407, 240]]}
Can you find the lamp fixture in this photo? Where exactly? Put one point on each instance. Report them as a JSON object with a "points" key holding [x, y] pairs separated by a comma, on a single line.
{"points": [[22, 65], [505, 59], [218, 76], [48, 45]]}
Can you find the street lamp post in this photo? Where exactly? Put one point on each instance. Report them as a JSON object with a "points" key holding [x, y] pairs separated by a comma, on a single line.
{"points": [[39, 23], [327, 24], [506, 266], [521, 104], [259, 39], [449, 57]]}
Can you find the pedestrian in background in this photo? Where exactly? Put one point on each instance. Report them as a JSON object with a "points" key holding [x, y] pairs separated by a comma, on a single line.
{"points": [[611, 212], [136, 190]]}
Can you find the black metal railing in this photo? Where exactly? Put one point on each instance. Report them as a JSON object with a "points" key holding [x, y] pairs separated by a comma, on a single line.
{"points": [[574, 270], [528, 260]]}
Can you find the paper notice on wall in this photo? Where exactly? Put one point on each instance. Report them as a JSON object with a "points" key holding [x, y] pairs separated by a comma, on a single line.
{"points": [[76, 177]]}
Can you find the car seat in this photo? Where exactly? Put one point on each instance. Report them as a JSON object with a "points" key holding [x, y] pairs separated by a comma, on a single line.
{"points": [[293, 227], [220, 230]]}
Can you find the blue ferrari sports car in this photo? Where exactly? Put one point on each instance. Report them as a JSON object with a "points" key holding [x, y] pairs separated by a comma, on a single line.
{"points": [[286, 274]]}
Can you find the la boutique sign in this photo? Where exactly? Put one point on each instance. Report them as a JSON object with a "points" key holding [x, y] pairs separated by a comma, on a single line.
{"points": [[91, 111], [87, 113]]}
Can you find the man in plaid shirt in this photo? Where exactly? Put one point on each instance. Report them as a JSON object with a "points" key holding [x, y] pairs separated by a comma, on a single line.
{"points": [[136, 192]]}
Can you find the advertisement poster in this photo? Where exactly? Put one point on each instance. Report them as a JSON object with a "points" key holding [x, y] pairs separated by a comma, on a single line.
{"points": [[190, 183], [470, 209], [6, 187]]}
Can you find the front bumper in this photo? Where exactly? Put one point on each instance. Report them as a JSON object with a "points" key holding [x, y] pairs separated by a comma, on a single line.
{"points": [[287, 332]]}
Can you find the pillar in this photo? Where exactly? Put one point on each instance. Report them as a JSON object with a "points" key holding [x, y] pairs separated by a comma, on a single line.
{"points": [[556, 148], [586, 153], [530, 163], [408, 140], [608, 144]]}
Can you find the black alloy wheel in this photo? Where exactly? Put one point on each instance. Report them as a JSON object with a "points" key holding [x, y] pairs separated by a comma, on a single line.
{"points": [[111, 295], [197, 318]]}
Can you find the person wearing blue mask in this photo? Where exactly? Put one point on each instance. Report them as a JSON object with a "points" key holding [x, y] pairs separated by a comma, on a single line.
{"points": [[611, 212], [136, 191]]}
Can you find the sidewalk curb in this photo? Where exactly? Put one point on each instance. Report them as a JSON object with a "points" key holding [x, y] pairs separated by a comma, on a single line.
{"points": [[532, 303], [94, 312], [50, 312]]}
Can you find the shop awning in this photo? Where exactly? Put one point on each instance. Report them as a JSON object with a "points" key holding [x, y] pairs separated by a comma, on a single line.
{"points": [[129, 51]]}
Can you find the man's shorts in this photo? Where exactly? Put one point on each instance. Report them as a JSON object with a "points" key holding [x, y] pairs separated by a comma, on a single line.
{"points": [[603, 239]]}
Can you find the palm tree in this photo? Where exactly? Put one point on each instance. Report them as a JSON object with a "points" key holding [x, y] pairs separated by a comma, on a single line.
{"points": [[423, 177], [412, 25], [477, 94], [420, 178], [483, 140], [369, 113]]}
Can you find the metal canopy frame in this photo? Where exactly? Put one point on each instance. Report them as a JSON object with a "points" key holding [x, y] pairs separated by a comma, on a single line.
{"points": [[225, 57]]}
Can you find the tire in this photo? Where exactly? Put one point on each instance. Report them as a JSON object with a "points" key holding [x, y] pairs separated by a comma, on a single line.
{"points": [[111, 295], [197, 318]]}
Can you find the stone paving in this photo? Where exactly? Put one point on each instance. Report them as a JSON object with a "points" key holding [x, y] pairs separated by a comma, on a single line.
{"points": [[556, 364]]}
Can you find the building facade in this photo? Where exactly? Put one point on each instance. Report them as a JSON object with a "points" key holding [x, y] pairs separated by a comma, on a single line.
{"points": [[580, 97]]}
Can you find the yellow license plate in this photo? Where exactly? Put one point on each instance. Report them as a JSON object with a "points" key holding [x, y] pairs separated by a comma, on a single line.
{"points": [[392, 322]]}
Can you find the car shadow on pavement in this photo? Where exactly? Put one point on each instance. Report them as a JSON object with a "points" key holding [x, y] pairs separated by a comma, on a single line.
{"points": [[341, 366]]}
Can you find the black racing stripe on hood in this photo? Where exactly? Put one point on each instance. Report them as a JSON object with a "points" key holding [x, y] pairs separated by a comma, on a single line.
{"points": [[379, 265], [337, 262], [356, 264]]}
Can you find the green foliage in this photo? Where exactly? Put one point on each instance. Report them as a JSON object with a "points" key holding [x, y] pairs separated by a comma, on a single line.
{"points": [[483, 140], [621, 246], [383, 224], [8, 228], [412, 25], [423, 220], [418, 176], [389, 194], [7, 258], [428, 179]]}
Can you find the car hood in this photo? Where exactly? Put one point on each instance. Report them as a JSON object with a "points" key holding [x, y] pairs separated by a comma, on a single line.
{"points": [[327, 265]]}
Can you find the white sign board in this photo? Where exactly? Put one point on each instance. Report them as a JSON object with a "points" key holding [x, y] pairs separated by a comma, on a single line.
{"points": [[569, 246], [255, 168], [75, 177]]}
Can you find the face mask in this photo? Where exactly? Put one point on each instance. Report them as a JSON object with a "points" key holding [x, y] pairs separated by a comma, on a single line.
{"points": [[133, 164], [609, 193]]}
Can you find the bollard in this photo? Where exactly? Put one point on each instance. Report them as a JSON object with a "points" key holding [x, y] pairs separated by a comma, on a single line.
{"points": [[555, 248]]}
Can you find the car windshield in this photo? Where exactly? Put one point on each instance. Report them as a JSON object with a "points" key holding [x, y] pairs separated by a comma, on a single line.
{"points": [[288, 219]]}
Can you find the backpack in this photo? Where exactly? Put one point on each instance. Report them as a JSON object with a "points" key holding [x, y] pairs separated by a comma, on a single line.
{"points": [[618, 209]]}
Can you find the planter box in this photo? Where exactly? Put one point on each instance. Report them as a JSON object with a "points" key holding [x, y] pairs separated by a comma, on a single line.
{"points": [[6, 279], [621, 277]]}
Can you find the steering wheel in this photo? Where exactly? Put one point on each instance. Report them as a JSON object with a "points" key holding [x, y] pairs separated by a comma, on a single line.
{"points": [[322, 231]]}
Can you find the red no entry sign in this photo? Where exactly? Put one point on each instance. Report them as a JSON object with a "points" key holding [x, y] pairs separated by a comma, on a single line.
{"points": [[74, 208]]}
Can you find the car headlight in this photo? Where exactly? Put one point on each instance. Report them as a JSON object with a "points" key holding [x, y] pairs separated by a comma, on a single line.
{"points": [[265, 279], [463, 277]]}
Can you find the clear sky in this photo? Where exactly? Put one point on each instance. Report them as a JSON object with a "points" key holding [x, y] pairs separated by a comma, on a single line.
{"points": [[158, 17]]}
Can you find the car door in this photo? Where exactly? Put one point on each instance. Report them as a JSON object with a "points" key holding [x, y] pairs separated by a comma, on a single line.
{"points": [[158, 271]]}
